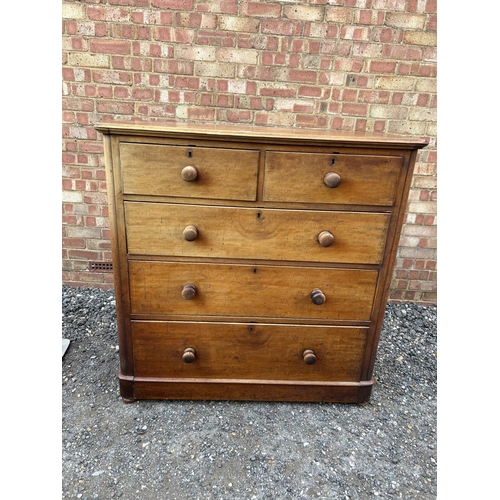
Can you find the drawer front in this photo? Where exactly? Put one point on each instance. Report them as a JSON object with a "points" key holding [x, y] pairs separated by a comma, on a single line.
{"points": [[247, 351], [250, 291], [227, 232], [364, 180], [151, 169]]}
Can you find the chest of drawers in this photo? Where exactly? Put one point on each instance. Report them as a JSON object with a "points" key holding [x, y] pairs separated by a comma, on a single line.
{"points": [[252, 263]]}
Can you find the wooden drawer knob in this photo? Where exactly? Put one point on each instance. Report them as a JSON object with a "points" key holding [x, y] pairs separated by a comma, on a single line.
{"points": [[189, 355], [189, 291], [309, 357], [331, 179], [325, 238], [189, 173], [318, 297], [190, 233]]}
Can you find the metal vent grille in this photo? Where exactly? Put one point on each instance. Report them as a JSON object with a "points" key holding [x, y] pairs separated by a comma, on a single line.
{"points": [[104, 267]]}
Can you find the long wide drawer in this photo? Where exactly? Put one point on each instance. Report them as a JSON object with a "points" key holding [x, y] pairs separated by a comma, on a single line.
{"points": [[194, 289], [267, 234], [247, 351], [155, 169], [356, 179]]}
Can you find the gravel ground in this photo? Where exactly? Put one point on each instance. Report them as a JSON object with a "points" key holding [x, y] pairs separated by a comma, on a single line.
{"points": [[230, 450]]}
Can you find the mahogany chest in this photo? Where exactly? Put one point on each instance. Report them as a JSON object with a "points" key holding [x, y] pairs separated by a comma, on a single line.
{"points": [[252, 263]]}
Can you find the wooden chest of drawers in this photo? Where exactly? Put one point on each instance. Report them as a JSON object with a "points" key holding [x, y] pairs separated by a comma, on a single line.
{"points": [[252, 263]]}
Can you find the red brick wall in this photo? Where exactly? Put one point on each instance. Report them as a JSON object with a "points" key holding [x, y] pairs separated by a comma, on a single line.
{"points": [[328, 64]]}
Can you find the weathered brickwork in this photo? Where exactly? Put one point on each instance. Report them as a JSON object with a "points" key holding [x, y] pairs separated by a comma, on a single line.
{"points": [[367, 65]]}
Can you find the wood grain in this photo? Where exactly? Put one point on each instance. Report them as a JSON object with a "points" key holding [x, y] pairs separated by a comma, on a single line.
{"points": [[250, 291], [248, 351], [157, 170], [268, 234], [257, 134], [365, 179]]}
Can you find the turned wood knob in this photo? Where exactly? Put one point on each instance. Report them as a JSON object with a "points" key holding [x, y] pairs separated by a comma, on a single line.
{"points": [[325, 238], [332, 180], [189, 291], [189, 173], [309, 357], [318, 297], [189, 355], [190, 233]]}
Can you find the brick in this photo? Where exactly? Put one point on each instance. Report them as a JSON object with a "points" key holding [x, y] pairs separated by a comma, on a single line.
{"points": [[236, 116], [420, 38], [222, 6], [142, 94], [387, 35], [173, 4], [431, 24], [389, 4], [261, 9], [89, 60], [368, 50], [278, 89], [196, 20], [304, 91], [423, 114], [426, 85], [404, 20], [205, 114], [373, 96], [73, 11], [407, 128], [110, 46], [216, 38], [394, 83], [281, 27], [355, 33], [256, 73], [354, 109], [371, 17], [115, 15], [216, 69], [421, 207], [249, 41], [181, 35], [275, 119], [339, 15], [299, 76], [288, 105], [174, 67], [238, 56], [303, 13], [312, 121], [382, 66], [389, 112], [418, 253], [239, 24], [348, 64], [431, 6], [76, 104], [420, 231], [425, 182], [195, 53]]}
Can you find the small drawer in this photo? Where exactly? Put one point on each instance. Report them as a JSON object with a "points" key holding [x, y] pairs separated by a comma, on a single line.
{"points": [[202, 289], [331, 178], [191, 172], [165, 229], [247, 351]]}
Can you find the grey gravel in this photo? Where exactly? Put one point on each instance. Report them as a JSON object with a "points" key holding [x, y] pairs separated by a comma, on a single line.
{"points": [[247, 450]]}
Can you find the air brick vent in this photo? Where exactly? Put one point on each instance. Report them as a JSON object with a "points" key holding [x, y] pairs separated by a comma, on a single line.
{"points": [[105, 267]]}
